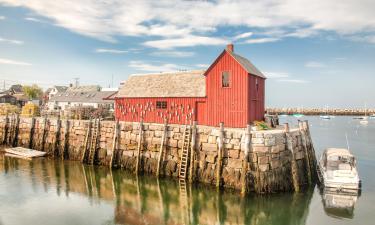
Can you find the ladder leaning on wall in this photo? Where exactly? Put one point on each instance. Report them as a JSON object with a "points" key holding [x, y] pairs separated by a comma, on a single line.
{"points": [[186, 138]]}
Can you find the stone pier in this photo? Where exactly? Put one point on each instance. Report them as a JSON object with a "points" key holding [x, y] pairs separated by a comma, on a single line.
{"points": [[270, 161]]}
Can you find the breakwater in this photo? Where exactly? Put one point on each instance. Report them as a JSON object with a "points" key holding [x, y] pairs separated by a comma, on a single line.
{"points": [[277, 160], [321, 111]]}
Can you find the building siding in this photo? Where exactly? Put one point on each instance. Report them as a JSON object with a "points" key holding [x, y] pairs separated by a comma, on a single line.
{"points": [[178, 111]]}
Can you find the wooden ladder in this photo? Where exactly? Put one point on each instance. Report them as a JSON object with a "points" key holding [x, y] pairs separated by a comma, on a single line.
{"points": [[185, 152], [95, 135], [184, 202]]}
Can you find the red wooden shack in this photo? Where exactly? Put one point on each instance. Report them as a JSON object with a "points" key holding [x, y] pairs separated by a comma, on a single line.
{"points": [[231, 90]]}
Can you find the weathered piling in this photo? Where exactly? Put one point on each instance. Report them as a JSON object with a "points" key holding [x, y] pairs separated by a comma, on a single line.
{"points": [[192, 151], [161, 151], [66, 140], [245, 160], [220, 155], [114, 143], [16, 130], [57, 137], [6, 129], [139, 148], [294, 171], [306, 150], [86, 142], [44, 132], [32, 131]]}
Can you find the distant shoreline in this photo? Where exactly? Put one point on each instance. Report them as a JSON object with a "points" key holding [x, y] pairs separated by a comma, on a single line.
{"points": [[321, 111]]}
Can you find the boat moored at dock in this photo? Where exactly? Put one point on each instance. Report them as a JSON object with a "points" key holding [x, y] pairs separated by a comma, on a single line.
{"points": [[337, 170]]}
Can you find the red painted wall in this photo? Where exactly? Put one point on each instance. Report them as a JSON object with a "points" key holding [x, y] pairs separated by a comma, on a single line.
{"points": [[178, 111], [227, 104], [237, 105]]}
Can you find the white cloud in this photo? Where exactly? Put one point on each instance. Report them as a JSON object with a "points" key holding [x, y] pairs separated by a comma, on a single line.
{"points": [[299, 81], [13, 62], [187, 41], [178, 19], [2, 17], [261, 40], [243, 35], [202, 65], [113, 51], [314, 64], [35, 20], [178, 54], [143, 66], [11, 41], [276, 75]]}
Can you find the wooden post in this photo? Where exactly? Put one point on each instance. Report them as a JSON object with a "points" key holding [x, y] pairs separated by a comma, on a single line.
{"points": [[139, 147], [310, 148], [16, 131], [57, 136], [86, 141], [307, 155], [289, 145], [245, 161], [43, 140], [192, 151], [161, 151], [6, 129], [114, 143], [66, 140], [220, 155], [32, 129]]}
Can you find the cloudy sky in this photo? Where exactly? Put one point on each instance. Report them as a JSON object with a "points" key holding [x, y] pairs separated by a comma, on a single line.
{"points": [[315, 53]]}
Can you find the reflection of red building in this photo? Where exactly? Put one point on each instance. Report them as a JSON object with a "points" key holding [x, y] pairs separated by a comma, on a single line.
{"points": [[231, 90]]}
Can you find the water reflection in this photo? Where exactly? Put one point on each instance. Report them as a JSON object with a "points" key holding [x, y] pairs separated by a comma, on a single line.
{"points": [[339, 204], [147, 200]]}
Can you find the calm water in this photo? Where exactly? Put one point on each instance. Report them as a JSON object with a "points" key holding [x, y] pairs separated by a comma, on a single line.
{"points": [[55, 192]]}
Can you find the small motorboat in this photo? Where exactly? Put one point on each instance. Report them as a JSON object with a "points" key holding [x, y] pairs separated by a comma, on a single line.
{"points": [[298, 115], [25, 152], [325, 117], [337, 170]]}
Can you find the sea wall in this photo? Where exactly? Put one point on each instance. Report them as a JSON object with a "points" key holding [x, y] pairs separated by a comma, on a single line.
{"points": [[261, 161]]}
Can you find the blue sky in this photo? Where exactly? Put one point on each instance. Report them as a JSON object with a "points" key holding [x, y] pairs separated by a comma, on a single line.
{"points": [[314, 53]]}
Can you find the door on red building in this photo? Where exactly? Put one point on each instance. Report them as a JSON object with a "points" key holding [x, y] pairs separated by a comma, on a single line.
{"points": [[201, 113]]}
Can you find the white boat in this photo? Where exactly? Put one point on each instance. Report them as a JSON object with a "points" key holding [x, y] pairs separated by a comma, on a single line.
{"points": [[364, 120], [337, 170], [325, 117], [25, 152]]}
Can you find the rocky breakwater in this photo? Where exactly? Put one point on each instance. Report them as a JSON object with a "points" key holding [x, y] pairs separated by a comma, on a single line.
{"points": [[270, 161]]}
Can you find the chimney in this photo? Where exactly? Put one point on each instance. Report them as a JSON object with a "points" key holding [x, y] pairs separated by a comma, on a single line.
{"points": [[230, 48]]}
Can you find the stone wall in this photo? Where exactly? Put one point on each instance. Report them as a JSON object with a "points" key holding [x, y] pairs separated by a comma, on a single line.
{"points": [[272, 161]]}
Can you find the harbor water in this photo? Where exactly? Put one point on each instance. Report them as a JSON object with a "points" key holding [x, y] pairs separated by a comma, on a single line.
{"points": [[46, 191]]}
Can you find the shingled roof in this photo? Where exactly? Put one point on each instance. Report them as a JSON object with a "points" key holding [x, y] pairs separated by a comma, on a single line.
{"points": [[247, 65], [85, 97], [174, 84]]}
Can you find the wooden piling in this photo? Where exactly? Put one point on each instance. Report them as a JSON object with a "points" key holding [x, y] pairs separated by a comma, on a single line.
{"points": [[139, 149], [16, 131], [57, 137], [310, 148], [44, 134], [85, 144], [66, 140], [289, 145], [161, 151], [245, 160], [32, 131], [192, 151], [6, 129], [220, 155], [307, 155], [114, 143]]}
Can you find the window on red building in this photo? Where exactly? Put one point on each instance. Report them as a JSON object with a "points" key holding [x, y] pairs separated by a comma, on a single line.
{"points": [[225, 79], [161, 104]]}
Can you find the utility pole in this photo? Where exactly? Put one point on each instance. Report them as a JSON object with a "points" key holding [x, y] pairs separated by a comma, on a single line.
{"points": [[76, 81]]}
